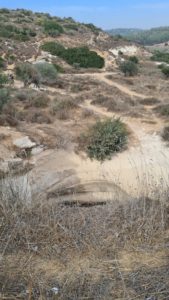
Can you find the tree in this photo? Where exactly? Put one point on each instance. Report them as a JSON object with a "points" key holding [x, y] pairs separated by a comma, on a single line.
{"points": [[129, 68]]}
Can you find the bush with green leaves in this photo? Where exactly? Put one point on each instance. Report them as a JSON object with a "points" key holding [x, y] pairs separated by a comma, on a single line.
{"points": [[12, 32], [129, 68], [2, 63], [27, 73], [134, 59], [160, 56], [165, 133], [59, 68], [3, 80], [106, 138], [47, 72], [38, 73], [53, 48], [92, 27], [165, 71], [52, 28], [73, 56], [4, 97]]}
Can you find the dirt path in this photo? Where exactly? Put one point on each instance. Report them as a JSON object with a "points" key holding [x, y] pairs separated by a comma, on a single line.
{"points": [[102, 77]]}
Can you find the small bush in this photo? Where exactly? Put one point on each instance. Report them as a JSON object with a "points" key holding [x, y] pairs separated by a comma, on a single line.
{"points": [[134, 59], [163, 110], [165, 71], [39, 100], [2, 63], [59, 68], [106, 138], [53, 48], [3, 80], [4, 97], [160, 56], [12, 32], [38, 73], [48, 73], [129, 68], [52, 28], [149, 101], [27, 73], [165, 134]]}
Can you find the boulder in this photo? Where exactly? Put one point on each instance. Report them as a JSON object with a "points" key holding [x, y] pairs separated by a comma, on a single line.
{"points": [[24, 143]]}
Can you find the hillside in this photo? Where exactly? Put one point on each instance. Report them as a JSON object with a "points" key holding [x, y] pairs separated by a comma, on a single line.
{"points": [[22, 27], [84, 133], [124, 32], [145, 37]]}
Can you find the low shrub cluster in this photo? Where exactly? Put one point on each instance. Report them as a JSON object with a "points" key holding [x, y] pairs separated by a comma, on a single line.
{"points": [[160, 56], [105, 138], [4, 97], [62, 108], [52, 28], [165, 133], [165, 71], [12, 32], [92, 27], [129, 68], [38, 73], [80, 55], [2, 63], [134, 59], [163, 110], [3, 80], [47, 72]]}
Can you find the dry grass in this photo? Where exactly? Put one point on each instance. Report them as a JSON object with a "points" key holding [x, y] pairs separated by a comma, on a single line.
{"points": [[62, 108], [149, 101], [87, 253]]}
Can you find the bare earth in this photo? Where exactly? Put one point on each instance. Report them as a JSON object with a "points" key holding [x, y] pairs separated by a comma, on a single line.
{"points": [[145, 162]]}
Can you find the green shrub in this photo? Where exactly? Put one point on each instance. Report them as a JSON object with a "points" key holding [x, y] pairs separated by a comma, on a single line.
{"points": [[40, 100], [58, 68], [92, 27], [71, 26], [53, 48], [4, 11], [27, 72], [73, 56], [2, 63], [3, 80], [134, 59], [84, 57], [4, 97], [48, 73], [163, 110], [165, 71], [129, 68], [52, 28], [160, 56], [12, 32], [165, 134], [106, 138]]}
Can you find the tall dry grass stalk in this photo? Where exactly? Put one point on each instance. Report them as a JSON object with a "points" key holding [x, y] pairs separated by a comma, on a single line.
{"points": [[115, 251]]}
